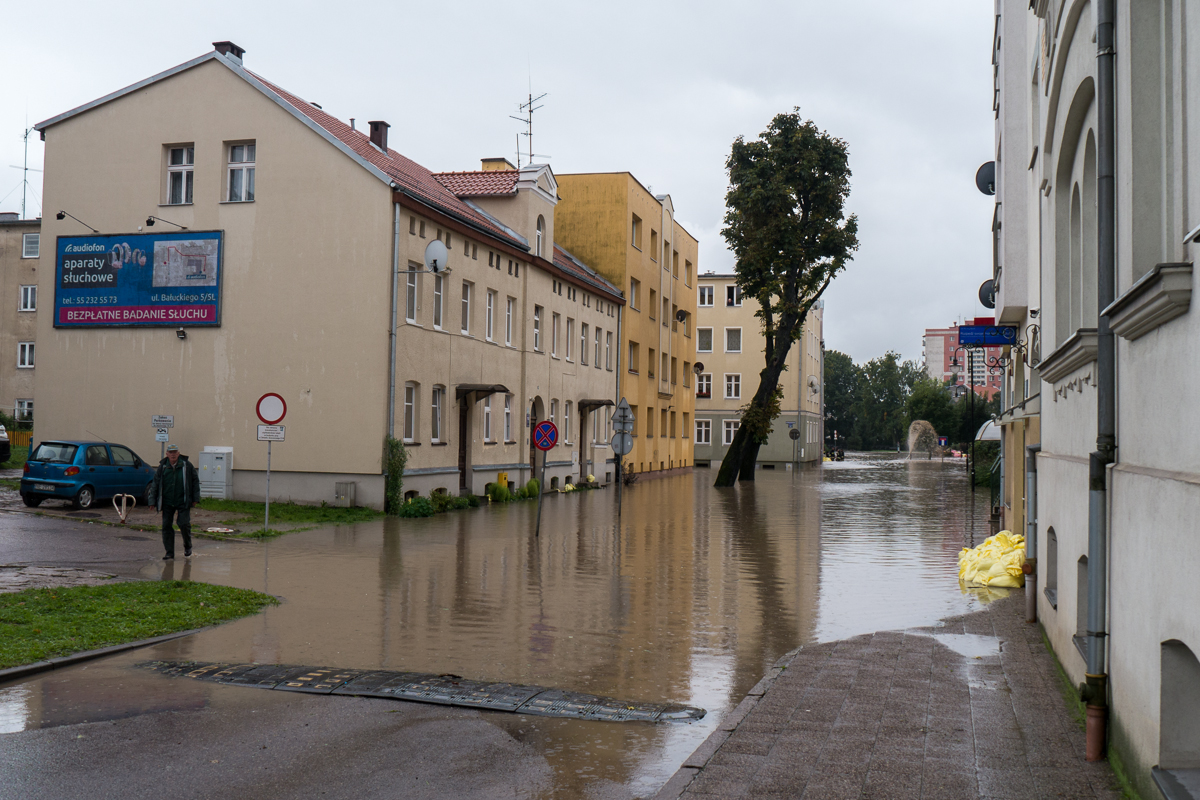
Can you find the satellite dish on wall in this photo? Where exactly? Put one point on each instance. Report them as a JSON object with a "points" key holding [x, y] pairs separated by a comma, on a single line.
{"points": [[985, 178], [987, 294], [436, 256], [814, 385]]}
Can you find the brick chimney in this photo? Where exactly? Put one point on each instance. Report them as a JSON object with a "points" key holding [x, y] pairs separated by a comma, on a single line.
{"points": [[230, 49], [379, 130]]}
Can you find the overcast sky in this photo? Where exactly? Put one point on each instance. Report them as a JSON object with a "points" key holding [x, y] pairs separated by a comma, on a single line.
{"points": [[660, 89]]}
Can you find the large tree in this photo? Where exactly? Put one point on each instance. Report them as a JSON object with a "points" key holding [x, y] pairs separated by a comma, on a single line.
{"points": [[841, 395], [786, 225]]}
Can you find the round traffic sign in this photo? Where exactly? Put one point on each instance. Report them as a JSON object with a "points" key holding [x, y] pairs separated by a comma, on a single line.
{"points": [[622, 443], [545, 435], [271, 409]]}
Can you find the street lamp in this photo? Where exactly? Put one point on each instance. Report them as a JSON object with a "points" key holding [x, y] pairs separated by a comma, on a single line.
{"points": [[971, 403]]}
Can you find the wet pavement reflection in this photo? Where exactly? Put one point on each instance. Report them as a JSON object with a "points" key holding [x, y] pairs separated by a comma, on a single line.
{"points": [[689, 600]]}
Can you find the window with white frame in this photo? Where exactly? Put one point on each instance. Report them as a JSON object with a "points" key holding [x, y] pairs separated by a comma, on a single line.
{"points": [[25, 355], [435, 414], [733, 295], [731, 428], [704, 340], [466, 307], [31, 245], [410, 298], [487, 418], [608, 351], [704, 385], [733, 340], [596, 360], [508, 433], [438, 292], [28, 298], [410, 411], [537, 328], [570, 336], [541, 232], [596, 414], [491, 315], [554, 413], [733, 386], [703, 431], [241, 173], [180, 168], [566, 421], [24, 410], [583, 343], [706, 296], [510, 311], [554, 335]]}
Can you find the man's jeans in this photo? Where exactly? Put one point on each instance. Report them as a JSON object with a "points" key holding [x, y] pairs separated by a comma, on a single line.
{"points": [[185, 527]]}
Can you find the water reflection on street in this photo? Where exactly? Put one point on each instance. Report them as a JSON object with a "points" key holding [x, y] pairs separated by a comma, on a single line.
{"points": [[688, 600]]}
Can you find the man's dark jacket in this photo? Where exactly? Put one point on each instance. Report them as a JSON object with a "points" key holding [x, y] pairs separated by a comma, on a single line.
{"points": [[191, 483]]}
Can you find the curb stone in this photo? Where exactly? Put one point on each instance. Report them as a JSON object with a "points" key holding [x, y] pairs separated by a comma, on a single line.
{"points": [[25, 670]]}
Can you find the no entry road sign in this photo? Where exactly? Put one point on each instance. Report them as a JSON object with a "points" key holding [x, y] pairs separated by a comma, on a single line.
{"points": [[271, 409], [545, 435]]}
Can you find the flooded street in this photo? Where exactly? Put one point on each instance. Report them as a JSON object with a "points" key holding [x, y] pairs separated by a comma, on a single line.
{"points": [[689, 600]]}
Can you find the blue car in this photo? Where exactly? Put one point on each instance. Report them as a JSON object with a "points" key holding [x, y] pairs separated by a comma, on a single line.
{"points": [[84, 472]]}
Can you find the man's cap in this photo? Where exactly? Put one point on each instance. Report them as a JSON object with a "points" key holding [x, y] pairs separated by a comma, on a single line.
{"points": [[172, 448]]}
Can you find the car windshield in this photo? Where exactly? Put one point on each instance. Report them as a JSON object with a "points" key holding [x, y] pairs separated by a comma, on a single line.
{"points": [[55, 453]]}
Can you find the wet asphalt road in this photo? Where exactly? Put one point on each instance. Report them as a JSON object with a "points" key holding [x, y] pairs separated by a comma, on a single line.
{"points": [[44, 541]]}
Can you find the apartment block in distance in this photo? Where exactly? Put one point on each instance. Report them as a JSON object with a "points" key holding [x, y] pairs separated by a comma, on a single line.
{"points": [[729, 346], [20, 246], [940, 349], [616, 226]]}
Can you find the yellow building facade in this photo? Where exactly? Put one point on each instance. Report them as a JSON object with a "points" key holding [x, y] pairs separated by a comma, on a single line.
{"points": [[630, 236]]}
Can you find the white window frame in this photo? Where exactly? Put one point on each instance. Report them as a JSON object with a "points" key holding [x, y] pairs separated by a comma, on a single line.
{"points": [[28, 299], [510, 308], [704, 384], [730, 430], [438, 295], [31, 252], [554, 412], [540, 234], [608, 351], [467, 286], [735, 383], [554, 320], [699, 344], [489, 328], [733, 293], [508, 418], [25, 355], [487, 418], [705, 290], [596, 361], [537, 328], [726, 343], [410, 297], [410, 412], [570, 336], [583, 344], [435, 417], [243, 170], [184, 171], [566, 428], [24, 409], [704, 431]]}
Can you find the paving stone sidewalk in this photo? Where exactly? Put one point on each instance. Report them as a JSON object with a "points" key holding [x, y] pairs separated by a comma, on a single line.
{"points": [[969, 710]]}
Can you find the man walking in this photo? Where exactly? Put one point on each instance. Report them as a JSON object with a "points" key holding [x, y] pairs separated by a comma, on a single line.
{"points": [[175, 490]]}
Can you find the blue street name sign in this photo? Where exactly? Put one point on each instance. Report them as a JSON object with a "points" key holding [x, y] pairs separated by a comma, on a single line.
{"points": [[987, 335]]}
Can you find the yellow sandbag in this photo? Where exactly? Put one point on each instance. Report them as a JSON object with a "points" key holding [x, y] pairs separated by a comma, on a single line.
{"points": [[996, 563]]}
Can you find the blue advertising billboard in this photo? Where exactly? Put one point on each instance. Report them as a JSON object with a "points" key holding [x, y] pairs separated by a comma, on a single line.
{"points": [[141, 279], [987, 335]]}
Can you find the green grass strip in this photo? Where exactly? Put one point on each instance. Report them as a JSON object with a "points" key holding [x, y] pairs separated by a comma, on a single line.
{"points": [[37, 624], [287, 513]]}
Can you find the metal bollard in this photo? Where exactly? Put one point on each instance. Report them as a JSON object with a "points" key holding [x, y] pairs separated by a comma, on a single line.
{"points": [[122, 511]]}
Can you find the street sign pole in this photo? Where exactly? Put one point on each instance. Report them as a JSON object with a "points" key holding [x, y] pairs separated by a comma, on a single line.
{"points": [[537, 531], [267, 517], [545, 436]]}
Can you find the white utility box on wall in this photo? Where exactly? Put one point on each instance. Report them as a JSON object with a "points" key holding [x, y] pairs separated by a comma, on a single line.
{"points": [[216, 472]]}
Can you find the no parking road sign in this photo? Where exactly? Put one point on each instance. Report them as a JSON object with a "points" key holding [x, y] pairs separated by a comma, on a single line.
{"points": [[545, 435]]}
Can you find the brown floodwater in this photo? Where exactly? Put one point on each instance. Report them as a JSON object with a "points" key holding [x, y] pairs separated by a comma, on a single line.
{"points": [[689, 599]]}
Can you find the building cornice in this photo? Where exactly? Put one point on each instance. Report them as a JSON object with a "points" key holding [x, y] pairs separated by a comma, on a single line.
{"points": [[1160, 296], [1077, 351]]}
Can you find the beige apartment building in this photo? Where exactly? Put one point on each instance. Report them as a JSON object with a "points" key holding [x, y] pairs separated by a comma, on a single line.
{"points": [[306, 239], [729, 346], [631, 237], [20, 245]]}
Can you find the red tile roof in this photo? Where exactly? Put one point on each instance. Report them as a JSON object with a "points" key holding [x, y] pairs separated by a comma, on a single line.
{"points": [[480, 183], [415, 179]]}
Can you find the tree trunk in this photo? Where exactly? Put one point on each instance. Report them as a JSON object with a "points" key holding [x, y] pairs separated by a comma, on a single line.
{"points": [[742, 455]]}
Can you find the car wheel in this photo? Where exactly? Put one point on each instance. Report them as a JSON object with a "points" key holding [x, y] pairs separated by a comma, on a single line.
{"points": [[32, 500], [86, 497], [145, 498]]}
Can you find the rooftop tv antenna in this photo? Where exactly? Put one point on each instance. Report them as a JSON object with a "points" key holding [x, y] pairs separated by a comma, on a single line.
{"points": [[25, 170], [527, 109]]}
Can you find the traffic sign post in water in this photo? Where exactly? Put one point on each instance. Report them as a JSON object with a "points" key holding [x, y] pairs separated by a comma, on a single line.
{"points": [[545, 436], [271, 409]]}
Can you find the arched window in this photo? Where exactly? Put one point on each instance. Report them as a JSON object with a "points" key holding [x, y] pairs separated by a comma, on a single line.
{"points": [[541, 232], [1179, 708], [1051, 572]]}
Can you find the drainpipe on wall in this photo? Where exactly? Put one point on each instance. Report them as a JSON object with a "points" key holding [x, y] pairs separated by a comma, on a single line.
{"points": [[1031, 529], [392, 321], [1095, 689]]}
